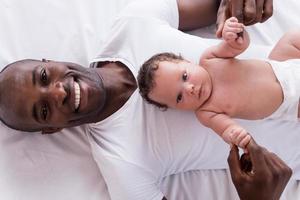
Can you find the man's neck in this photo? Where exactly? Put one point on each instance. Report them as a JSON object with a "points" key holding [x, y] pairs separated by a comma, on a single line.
{"points": [[119, 83]]}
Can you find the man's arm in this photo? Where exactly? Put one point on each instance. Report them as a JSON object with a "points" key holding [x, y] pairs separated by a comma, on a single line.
{"points": [[195, 14]]}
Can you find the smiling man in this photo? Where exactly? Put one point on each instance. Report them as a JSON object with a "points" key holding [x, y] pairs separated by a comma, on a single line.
{"points": [[50, 95], [134, 145]]}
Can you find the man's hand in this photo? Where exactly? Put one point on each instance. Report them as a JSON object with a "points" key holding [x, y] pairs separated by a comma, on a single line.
{"points": [[258, 175], [247, 12]]}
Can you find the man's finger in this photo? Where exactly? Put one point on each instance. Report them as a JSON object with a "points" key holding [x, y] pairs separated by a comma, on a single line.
{"points": [[246, 163], [267, 10], [259, 10], [223, 14], [256, 154], [234, 162], [237, 9], [219, 30], [278, 171], [249, 12]]}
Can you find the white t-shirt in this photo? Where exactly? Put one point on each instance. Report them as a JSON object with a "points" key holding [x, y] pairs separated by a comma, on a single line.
{"points": [[139, 145]]}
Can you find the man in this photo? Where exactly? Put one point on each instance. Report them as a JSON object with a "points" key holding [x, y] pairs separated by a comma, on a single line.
{"points": [[132, 155]]}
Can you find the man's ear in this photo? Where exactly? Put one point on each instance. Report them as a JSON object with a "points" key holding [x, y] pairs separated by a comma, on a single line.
{"points": [[50, 130], [45, 60]]}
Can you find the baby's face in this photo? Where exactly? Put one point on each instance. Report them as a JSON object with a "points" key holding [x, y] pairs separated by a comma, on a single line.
{"points": [[181, 85]]}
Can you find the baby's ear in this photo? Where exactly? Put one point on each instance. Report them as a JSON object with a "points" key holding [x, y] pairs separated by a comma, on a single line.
{"points": [[50, 130]]}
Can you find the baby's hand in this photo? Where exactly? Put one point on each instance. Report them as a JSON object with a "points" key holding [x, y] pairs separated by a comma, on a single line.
{"points": [[231, 29], [237, 135]]}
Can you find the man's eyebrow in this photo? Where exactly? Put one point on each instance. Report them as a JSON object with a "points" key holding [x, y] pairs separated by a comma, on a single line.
{"points": [[34, 113]]}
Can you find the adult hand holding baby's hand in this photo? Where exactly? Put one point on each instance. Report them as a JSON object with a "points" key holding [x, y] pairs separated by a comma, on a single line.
{"points": [[267, 177], [247, 12], [231, 30], [237, 135]]}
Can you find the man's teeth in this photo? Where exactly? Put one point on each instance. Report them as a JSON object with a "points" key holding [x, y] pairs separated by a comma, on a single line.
{"points": [[77, 95]]}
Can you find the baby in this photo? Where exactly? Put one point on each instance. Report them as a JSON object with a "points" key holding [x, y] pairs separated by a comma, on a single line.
{"points": [[224, 87]]}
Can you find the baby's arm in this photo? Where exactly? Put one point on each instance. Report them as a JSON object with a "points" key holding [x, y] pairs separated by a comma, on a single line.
{"points": [[224, 126], [232, 44], [288, 47]]}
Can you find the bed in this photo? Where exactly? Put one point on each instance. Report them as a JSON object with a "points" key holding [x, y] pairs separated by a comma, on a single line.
{"points": [[60, 166]]}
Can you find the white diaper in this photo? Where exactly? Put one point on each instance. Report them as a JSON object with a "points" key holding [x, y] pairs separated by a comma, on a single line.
{"points": [[288, 75]]}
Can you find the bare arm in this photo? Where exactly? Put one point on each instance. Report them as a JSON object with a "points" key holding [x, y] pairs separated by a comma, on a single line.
{"points": [[225, 127], [288, 47], [232, 44]]}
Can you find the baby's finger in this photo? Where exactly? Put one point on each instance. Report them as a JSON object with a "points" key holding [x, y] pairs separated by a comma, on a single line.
{"points": [[235, 25], [230, 36], [245, 141], [241, 135], [234, 30], [240, 40], [233, 19]]}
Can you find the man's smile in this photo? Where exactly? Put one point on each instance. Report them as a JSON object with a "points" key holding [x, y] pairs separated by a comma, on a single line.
{"points": [[77, 95]]}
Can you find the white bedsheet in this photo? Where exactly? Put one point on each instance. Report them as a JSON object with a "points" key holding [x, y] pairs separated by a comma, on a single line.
{"points": [[60, 166]]}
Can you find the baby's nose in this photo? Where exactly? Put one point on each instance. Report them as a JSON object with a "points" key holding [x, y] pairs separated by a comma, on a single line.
{"points": [[190, 89]]}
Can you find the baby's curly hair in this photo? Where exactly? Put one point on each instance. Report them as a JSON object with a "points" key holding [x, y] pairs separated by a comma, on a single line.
{"points": [[146, 75]]}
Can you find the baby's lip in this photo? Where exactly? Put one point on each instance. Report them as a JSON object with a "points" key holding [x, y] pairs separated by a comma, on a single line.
{"points": [[199, 92]]}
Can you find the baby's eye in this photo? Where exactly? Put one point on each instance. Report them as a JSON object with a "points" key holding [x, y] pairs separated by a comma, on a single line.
{"points": [[184, 76], [44, 76], [179, 98]]}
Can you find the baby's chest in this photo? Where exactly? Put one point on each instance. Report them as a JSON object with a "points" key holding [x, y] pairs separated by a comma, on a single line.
{"points": [[230, 101]]}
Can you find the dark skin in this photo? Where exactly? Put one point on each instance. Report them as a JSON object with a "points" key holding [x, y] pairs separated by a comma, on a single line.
{"points": [[49, 88], [259, 174], [122, 83], [119, 83], [269, 175], [247, 12], [199, 13]]}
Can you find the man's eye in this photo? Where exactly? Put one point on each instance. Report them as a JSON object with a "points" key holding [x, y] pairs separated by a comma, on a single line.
{"points": [[184, 76], [44, 77], [44, 112], [179, 98]]}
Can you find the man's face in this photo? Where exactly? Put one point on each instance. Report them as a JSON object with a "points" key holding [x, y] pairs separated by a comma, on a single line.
{"points": [[41, 95], [181, 85]]}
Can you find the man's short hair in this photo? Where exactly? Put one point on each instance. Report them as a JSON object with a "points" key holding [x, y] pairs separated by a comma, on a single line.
{"points": [[146, 75], [19, 62]]}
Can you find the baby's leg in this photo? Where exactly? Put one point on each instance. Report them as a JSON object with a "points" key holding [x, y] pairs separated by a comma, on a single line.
{"points": [[287, 47]]}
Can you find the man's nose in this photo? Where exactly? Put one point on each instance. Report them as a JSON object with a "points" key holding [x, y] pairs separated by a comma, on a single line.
{"points": [[57, 93]]}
